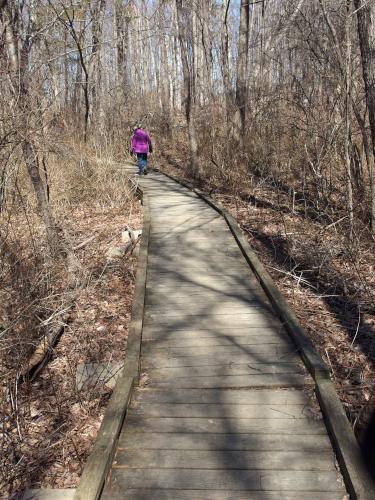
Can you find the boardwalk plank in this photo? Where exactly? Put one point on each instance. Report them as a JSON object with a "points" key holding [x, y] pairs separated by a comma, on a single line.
{"points": [[235, 397], [224, 441], [165, 332], [201, 410], [236, 381], [218, 340], [170, 494], [226, 425], [154, 361], [226, 479], [217, 459], [225, 371]]}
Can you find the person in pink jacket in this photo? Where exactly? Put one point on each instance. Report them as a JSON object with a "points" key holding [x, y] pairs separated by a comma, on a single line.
{"points": [[141, 146]]}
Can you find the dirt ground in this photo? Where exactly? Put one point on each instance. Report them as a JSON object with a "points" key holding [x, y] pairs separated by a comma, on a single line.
{"points": [[55, 424]]}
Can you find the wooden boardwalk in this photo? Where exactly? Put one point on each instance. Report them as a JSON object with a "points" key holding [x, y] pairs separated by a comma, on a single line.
{"points": [[225, 407]]}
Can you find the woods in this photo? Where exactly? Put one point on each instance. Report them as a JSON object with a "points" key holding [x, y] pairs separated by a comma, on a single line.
{"points": [[269, 105]]}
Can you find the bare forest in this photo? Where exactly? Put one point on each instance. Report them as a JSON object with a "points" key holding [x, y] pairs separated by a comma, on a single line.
{"points": [[267, 105]]}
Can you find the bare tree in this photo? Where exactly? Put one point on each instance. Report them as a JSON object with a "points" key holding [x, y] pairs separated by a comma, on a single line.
{"points": [[239, 120], [188, 97], [366, 19]]}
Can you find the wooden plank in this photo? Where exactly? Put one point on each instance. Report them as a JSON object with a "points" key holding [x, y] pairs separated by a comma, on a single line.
{"points": [[224, 479], [208, 310], [153, 361], [229, 351], [202, 321], [223, 459], [215, 299], [236, 271], [200, 275], [243, 294], [202, 410], [162, 250], [99, 461], [164, 332], [219, 340], [226, 425], [235, 397], [224, 441], [186, 286], [224, 371], [171, 494], [237, 381]]}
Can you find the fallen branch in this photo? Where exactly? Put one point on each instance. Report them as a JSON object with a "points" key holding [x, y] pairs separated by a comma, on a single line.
{"points": [[84, 243], [43, 350]]}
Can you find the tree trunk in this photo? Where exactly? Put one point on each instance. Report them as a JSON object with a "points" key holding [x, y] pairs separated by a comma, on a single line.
{"points": [[366, 32], [165, 96], [348, 107], [239, 120], [187, 100], [228, 99]]}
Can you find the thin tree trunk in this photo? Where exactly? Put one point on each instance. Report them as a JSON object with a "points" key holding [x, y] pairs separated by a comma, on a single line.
{"points": [[239, 120], [366, 32], [225, 66], [188, 100], [348, 108]]}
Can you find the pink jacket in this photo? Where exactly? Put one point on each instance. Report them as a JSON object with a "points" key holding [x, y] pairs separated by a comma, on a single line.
{"points": [[141, 142]]}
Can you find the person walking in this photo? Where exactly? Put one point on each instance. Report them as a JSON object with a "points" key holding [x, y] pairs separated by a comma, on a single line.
{"points": [[141, 145]]}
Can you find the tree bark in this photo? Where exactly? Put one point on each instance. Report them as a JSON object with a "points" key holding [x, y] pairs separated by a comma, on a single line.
{"points": [[366, 32], [187, 100], [239, 120]]}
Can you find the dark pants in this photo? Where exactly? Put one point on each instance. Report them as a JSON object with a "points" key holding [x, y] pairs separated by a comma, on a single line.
{"points": [[142, 162]]}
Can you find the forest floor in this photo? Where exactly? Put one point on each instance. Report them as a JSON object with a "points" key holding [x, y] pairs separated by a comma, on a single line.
{"points": [[331, 290], [52, 430]]}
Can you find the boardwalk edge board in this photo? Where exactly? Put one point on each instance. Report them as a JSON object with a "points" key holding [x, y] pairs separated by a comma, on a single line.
{"points": [[357, 479], [99, 462]]}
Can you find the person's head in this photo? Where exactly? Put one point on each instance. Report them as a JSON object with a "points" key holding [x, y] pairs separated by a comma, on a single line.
{"points": [[137, 127]]}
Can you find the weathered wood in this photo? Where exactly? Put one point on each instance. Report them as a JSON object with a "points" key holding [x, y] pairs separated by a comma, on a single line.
{"points": [[135, 329], [201, 410], [226, 479], [236, 397], [255, 320], [219, 340], [165, 332], [153, 361], [360, 484], [208, 311], [237, 381], [170, 494], [167, 374], [93, 375], [230, 351], [99, 461], [223, 459], [224, 425], [224, 441]]}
